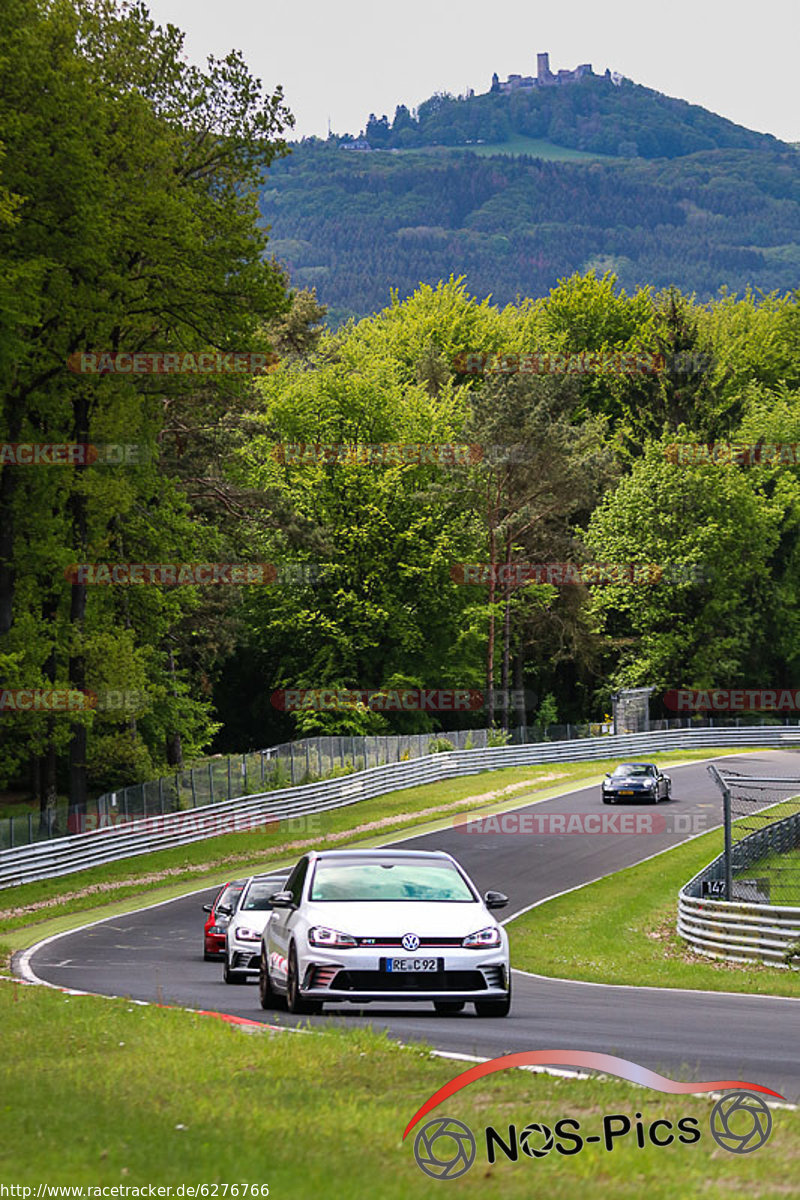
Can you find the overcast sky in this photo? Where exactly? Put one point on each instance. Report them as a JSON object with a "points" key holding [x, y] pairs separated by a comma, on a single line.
{"points": [[342, 60]]}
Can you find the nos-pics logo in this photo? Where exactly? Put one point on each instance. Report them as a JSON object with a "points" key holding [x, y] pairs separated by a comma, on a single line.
{"points": [[446, 1148]]}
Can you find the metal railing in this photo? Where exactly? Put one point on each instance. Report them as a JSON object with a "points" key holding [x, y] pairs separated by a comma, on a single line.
{"points": [[61, 856], [289, 764], [739, 930]]}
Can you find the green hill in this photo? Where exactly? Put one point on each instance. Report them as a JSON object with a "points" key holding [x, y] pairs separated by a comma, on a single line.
{"points": [[678, 196]]}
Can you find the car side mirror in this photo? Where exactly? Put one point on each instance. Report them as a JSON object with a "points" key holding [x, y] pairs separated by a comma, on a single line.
{"points": [[282, 900], [207, 908], [224, 910], [495, 900]]}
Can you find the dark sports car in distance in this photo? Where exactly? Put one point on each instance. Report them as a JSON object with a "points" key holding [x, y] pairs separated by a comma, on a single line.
{"points": [[219, 914], [636, 782]]}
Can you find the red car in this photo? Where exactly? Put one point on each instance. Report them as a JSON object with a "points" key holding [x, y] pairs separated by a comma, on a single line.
{"points": [[219, 914]]}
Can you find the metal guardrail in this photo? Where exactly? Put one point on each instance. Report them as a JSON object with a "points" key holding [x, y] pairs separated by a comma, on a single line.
{"points": [[62, 856], [737, 930]]}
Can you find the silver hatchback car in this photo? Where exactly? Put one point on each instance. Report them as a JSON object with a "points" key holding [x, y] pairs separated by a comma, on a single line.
{"points": [[243, 933], [384, 925]]}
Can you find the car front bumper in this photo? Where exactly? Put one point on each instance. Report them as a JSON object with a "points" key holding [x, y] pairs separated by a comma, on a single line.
{"points": [[357, 976], [244, 957], [630, 795]]}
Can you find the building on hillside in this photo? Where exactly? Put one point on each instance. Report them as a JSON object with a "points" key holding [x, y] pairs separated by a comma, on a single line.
{"points": [[544, 77]]}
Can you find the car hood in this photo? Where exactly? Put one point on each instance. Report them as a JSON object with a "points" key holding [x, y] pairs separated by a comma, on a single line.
{"points": [[256, 920], [388, 919]]}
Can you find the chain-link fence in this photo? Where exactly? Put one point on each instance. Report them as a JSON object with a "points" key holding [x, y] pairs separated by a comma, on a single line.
{"points": [[292, 763], [761, 863]]}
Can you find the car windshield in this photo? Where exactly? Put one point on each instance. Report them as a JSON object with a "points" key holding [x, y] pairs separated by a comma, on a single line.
{"points": [[258, 896], [229, 896], [374, 881], [628, 769]]}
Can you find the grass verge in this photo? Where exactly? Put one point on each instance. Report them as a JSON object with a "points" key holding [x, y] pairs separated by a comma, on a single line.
{"points": [[622, 930], [101, 1093], [35, 910]]}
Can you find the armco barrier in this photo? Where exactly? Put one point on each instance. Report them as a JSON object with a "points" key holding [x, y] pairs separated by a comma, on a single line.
{"points": [[736, 930], [61, 856]]}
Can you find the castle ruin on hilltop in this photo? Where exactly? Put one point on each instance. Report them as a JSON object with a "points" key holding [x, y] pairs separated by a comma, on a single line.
{"points": [[544, 77]]}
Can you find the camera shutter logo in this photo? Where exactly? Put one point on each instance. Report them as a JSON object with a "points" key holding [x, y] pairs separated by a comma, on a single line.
{"points": [[444, 1148], [740, 1122], [410, 941], [527, 1140]]}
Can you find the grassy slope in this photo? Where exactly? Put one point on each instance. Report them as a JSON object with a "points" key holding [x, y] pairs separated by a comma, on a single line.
{"points": [[622, 930], [101, 1092]]}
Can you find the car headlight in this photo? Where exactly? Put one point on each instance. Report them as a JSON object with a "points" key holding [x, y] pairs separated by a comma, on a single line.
{"points": [[248, 935], [490, 936], [320, 935], [649, 783]]}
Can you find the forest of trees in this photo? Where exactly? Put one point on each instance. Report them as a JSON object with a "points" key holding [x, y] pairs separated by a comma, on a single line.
{"points": [[160, 250], [590, 114], [357, 225]]}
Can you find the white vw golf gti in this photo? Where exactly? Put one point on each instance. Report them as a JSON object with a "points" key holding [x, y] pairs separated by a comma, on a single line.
{"points": [[387, 925]]}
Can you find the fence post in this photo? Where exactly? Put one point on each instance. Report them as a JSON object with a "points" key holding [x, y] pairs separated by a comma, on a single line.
{"points": [[244, 773], [291, 759], [211, 782], [194, 788], [11, 833], [229, 776], [161, 794]]}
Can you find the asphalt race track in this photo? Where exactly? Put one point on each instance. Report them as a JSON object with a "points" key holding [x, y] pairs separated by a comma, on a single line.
{"points": [[156, 955]]}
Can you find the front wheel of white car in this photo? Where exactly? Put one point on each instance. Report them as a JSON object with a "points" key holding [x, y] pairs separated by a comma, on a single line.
{"points": [[232, 976], [495, 1008], [294, 1001]]}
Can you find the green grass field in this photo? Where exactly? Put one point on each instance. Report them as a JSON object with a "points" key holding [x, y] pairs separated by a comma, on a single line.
{"points": [[106, 1092], [783, 873], [622, 930], [103, 1092]]}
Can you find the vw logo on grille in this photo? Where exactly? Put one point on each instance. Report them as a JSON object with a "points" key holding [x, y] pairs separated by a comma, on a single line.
{"points": [[410, 941]]}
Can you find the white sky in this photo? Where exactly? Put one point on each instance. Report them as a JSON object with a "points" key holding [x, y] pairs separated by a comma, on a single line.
{"points": [[342, 59]]}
